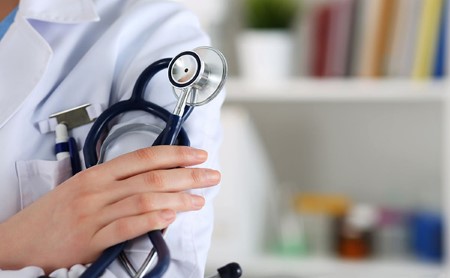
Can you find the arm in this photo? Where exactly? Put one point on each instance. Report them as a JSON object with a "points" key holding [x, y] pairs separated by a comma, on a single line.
{"points": [[104, 205]]}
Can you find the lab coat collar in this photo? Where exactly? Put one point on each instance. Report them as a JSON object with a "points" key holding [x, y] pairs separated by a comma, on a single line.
{"points": [[24, 57], [59, 11], [25, 54]]}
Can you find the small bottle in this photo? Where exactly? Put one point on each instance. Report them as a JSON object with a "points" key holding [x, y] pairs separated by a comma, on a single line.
{"points": [[355, 232], [318, 212], [427, 236], [391, 239]]}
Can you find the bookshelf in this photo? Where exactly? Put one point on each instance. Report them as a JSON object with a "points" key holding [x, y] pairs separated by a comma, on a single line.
{"points": [[379, 140], [275, 267], [335, 90], [337, 108]]}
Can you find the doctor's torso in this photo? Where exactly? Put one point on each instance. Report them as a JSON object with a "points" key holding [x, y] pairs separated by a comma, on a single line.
{"points": [[52, 64], [61, 54]]}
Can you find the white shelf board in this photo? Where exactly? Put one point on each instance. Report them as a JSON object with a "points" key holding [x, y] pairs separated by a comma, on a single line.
{"points": [[315, 267], [323, 90]]}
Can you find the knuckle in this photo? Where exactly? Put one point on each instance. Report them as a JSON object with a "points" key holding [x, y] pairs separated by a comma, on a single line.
{"points": [[145, 154], [123, 228], [154, 179], [196, 176], [153, 223], [184, 153], [145, 203]]}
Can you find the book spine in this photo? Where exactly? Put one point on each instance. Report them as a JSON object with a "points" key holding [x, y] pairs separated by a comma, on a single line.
{"points": [[427, 40]]}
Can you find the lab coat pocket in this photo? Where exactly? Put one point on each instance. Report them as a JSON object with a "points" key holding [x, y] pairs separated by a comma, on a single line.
{"points": [[38, 177]]}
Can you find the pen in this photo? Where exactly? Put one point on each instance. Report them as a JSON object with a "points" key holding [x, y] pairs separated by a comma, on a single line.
{"points": [[67, 147], [61, 140], [74, 156]]}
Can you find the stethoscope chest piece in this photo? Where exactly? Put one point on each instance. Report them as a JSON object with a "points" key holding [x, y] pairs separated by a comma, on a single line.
{"points": [[201, 73]]}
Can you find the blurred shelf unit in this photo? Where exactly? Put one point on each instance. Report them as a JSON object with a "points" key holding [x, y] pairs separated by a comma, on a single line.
{"points": [[376, 129], [365, 138], [336, 90], [285, 267]]}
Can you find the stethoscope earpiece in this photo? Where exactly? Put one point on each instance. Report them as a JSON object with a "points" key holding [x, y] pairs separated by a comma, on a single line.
{"points": [[231, 270]]}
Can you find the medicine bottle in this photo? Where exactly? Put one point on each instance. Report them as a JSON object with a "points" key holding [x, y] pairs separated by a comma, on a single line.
{"points": [[354, 233], [318, 213]]}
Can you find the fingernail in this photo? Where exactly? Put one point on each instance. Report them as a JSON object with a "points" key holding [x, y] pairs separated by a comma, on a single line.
{"points": [[167, 214], [213, 175], [201, 154], [197, 201]]}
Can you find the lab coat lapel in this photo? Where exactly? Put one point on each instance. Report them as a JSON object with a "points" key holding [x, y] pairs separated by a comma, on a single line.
{"points": [[24, 56], [24, 53], [60, 11]]}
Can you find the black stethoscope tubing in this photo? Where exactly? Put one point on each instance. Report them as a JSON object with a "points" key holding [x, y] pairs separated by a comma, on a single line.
{"points": [[135, 103]]}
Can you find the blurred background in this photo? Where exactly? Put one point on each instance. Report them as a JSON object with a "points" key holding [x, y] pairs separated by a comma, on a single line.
{"points": [[335, 157]]}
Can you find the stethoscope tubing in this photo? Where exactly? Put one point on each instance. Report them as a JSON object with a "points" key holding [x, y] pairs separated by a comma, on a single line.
{"points": [[169, 136], [117, 109]]}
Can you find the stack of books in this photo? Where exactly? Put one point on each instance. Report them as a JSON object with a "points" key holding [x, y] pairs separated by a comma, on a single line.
{"points": [[373, 38]]}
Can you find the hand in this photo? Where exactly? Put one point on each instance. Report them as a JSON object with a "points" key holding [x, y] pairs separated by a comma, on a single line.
{"points": [[105, 205]]}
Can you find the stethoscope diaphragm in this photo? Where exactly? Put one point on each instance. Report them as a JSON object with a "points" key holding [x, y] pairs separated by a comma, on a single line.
{"points": [[201, 73]]}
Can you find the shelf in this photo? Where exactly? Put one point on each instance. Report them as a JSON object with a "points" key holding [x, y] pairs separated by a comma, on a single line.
{"points": [[332, 90], [269, 266]]}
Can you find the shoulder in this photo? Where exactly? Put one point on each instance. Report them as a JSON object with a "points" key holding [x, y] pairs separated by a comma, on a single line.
{"points": [[150, 23], [143, 31], [146, 12]]}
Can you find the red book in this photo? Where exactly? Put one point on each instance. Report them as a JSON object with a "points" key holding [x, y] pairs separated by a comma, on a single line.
{"points": [[320, 36]]}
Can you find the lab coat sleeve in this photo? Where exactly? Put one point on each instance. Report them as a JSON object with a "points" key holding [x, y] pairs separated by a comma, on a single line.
{"points": [[32, 271]]}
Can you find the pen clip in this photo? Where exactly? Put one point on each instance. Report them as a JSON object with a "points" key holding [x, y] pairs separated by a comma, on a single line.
{"points": [[74, 156]]}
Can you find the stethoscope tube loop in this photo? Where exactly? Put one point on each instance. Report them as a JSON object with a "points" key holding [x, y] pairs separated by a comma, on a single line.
{"points": [[145, 77], [188, 73], [108, 256], [101, 124], [135, 103]]}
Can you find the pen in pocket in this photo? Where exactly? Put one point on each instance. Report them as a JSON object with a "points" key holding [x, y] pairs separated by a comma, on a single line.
{"points": [[67, 147]]}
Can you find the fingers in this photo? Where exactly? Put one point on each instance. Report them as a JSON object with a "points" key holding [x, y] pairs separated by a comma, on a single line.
{"points": [[131, 227], [149, 202], [142, 191], [158, 157], [174, 180]]}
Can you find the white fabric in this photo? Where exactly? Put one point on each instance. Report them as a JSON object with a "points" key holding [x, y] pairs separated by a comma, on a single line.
{"points": [[59, 54]]}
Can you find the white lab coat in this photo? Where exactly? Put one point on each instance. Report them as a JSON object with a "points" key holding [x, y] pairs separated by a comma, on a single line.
{"points": [[59, 54]]}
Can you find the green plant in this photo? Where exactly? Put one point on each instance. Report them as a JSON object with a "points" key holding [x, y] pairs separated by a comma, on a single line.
{"points": [[270, 14]]}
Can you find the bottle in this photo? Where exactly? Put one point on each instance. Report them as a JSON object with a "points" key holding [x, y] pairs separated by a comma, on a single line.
{"points": [[318, 213], [355, 232]]}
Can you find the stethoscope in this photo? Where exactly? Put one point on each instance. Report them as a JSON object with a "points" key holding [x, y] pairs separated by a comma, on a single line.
{"points": [[197, 77]]}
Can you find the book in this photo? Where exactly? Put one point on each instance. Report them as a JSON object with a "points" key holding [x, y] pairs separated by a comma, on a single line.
{"points": [[365, 44], [427, 39], [321, 27], [382, 36], [397, 43], [441, 53], [305, 51], [339, 38]]}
